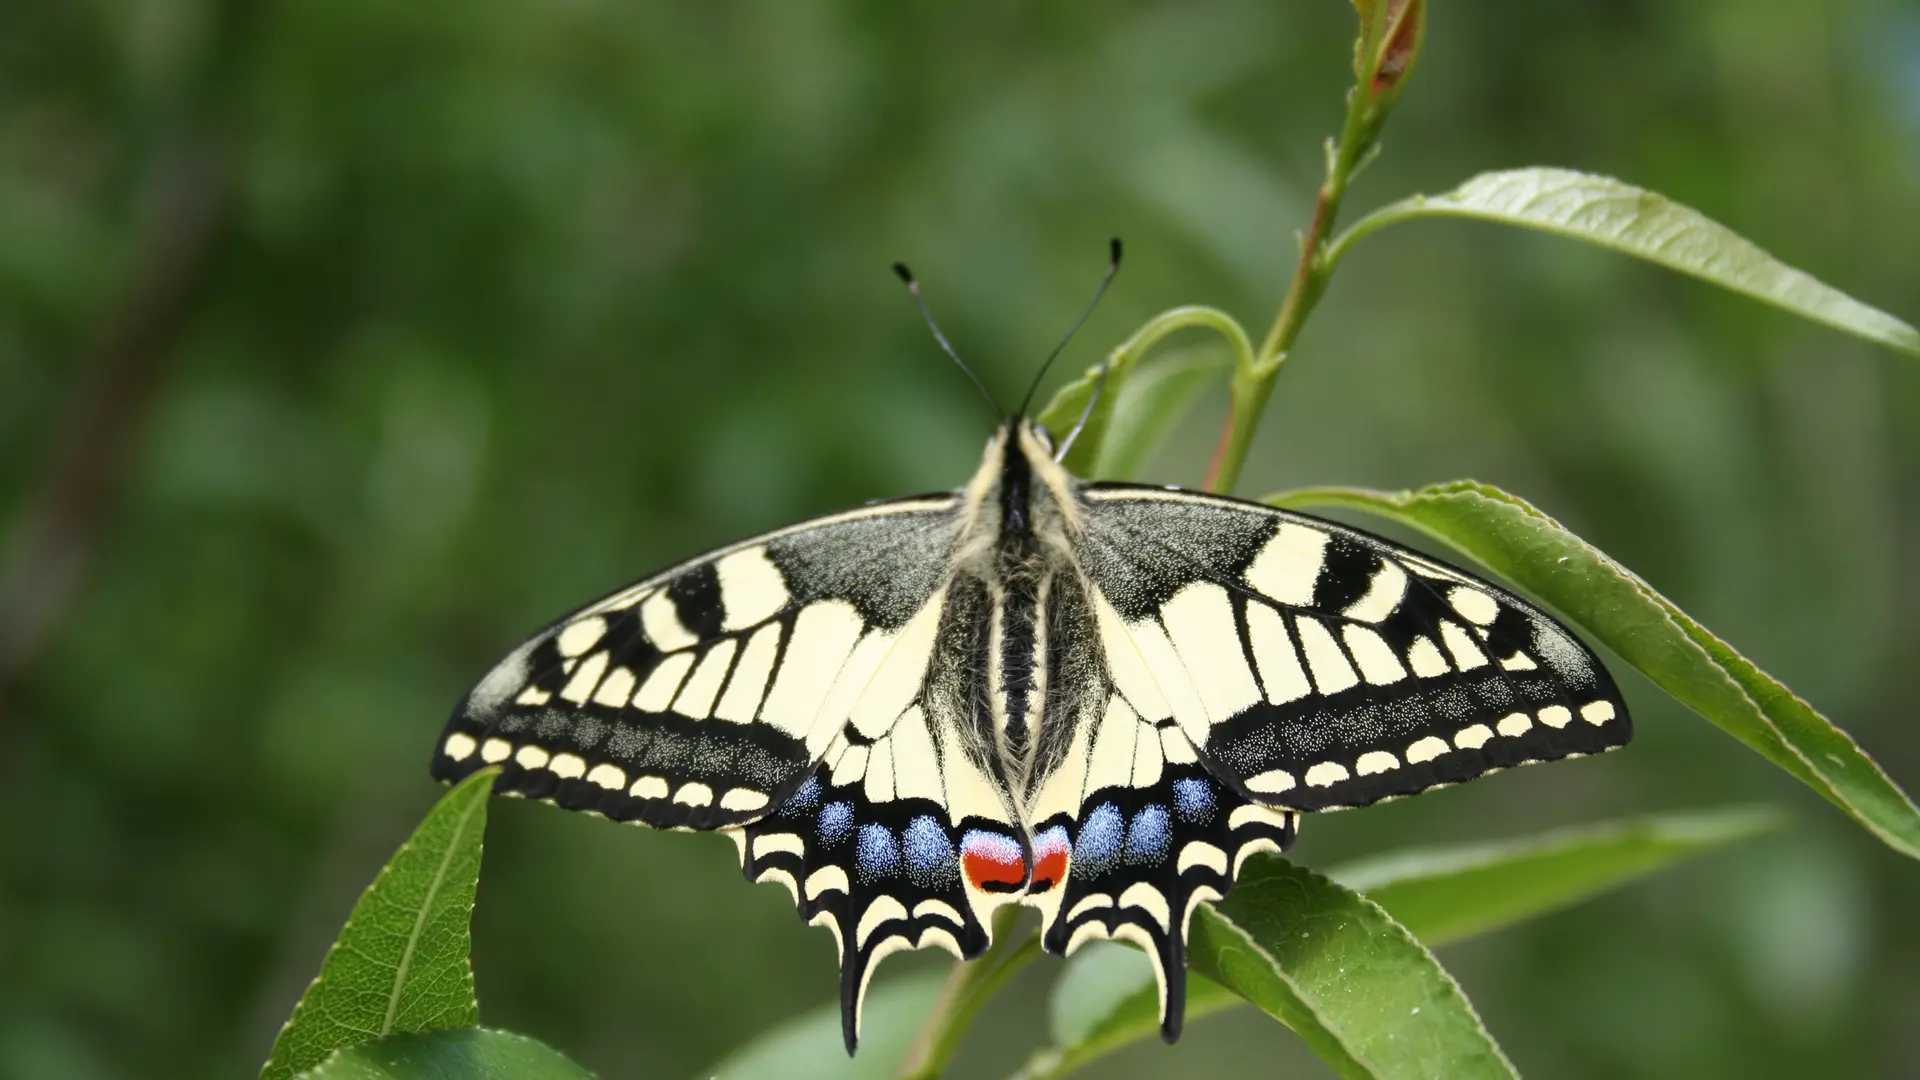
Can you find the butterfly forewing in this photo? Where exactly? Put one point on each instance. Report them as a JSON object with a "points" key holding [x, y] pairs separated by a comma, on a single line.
{"points": [[691, 698], [1316, 667]]}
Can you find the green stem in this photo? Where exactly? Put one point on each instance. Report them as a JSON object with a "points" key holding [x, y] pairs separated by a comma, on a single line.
{"points": [[1391, 214], [1253, 382], [970, 986], [1053, 1062], [1181, 318]]}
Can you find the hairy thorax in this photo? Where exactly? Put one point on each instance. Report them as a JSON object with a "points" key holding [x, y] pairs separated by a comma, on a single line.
{"points": [[1021, 515]]}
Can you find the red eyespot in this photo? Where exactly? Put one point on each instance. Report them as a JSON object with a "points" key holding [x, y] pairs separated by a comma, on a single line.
{"points": [[1049, 860], [1049, 872], [993, 862]]}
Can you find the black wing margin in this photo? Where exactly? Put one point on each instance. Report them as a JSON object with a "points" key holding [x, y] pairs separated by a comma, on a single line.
{"points": [[690, 698], [1317, 667]]}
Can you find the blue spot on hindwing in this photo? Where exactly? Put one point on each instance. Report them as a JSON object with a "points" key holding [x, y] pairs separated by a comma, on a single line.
{"points": [[1098, 844], [877, 854], [1149, 836], [1048, 841], [932, 861], [1193, 800], [836, 820], [804, 798]]}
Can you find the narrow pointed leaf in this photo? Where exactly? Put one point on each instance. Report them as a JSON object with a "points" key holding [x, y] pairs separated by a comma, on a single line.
{"points": [[1604, 211], [400, 963], [1646, 630], [1335, 967], [465, 1054], [1444, 894], [809, 1047], [1106, 999]]}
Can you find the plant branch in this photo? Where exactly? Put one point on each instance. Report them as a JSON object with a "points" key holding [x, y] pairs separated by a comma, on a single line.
{"points": [[1253, 383], [1389, 45], [968, 989], [46, 558]]}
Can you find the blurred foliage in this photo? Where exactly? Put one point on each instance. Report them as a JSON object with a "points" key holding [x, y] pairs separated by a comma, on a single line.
{"points": [[506, 303]]}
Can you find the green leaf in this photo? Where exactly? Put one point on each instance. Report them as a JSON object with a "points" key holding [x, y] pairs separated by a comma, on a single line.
{"points": [[1151, 401], [1157, 398], [809, 1046], [465, 1054], [1648, 631], [1105, 999], [1604, 211], [400, 963], [1318, 957], [1069, 403], [1335, 967], [1443, 895], [1122, 436]]}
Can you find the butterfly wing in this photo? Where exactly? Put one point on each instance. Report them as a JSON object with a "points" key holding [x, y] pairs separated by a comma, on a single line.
{"points": [[901, 837], [814, 693], [1223, 666], [1131, 830], [694, 698], [1316, 667]]}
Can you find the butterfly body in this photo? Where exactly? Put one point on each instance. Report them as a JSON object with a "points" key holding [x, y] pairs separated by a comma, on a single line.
{"points": [[1094, 699]]}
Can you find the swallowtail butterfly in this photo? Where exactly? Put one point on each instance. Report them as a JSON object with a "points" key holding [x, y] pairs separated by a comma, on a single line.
{"points": [[1095, 699]]}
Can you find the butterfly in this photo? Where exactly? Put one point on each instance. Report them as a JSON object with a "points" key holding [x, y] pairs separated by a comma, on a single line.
{"points": [[1094, 699]]}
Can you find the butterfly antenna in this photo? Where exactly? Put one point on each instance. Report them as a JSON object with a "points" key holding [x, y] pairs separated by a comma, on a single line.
{"points": [[913, 288], [1113, 267]]}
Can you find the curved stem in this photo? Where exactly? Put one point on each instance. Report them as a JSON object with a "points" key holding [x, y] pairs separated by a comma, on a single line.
{"points": [[1181, 318], [969, 987], [1390, 214], [1253, 384]]}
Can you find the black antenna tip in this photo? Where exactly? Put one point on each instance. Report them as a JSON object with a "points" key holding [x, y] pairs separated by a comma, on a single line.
{"points": [[905, 275], [1113, 250]]}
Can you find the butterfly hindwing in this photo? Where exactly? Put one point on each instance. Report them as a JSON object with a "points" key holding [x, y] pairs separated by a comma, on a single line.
{"points": [[1317, 667], [902, 837], [881, 876], [1130, 830], [690, 698], [1140, 858]]}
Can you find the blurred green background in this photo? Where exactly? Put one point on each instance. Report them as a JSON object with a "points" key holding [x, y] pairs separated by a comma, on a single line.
{"points": [[419, 323]]}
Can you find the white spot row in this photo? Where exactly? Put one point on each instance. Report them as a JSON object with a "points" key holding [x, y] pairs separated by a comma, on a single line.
{"points": [[1427, 748], [460, 746]]}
